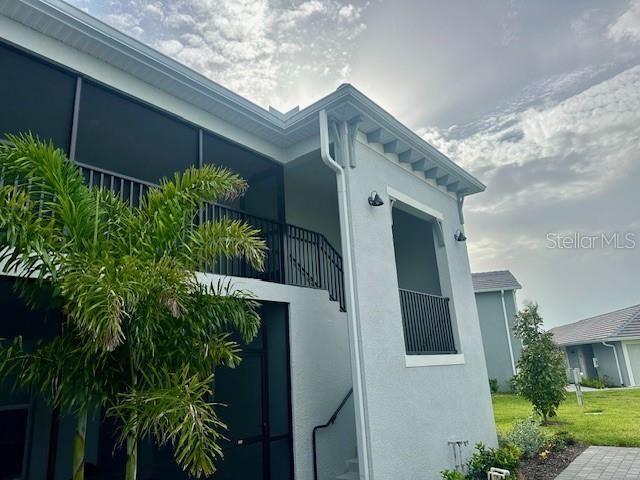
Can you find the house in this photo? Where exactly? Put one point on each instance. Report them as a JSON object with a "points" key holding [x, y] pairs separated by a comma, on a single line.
{"points": [[606, 346], [497, 307], [367, 286]]}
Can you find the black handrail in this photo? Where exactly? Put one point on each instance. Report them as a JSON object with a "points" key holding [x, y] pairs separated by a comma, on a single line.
{"points": [[295, 255], [331, 421]]}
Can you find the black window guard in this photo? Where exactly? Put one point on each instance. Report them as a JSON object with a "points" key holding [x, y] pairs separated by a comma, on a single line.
{"points": [[427, 324]]}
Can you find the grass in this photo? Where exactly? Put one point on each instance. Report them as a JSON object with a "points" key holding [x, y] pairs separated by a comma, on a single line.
{"points": [[616, 422]]}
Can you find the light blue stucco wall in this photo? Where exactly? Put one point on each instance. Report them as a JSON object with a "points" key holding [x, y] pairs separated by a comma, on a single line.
{"points": [[607, 369], [494, 335], [413, 412]]}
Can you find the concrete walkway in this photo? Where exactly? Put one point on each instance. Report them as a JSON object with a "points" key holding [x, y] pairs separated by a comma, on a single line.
{"points": [[604, 463]]}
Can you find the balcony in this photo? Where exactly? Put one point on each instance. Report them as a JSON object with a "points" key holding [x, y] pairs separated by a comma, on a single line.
{"points": [[296, 256], [427, 324]]}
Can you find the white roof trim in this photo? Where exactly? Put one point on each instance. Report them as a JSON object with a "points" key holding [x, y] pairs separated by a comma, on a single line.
{"points": [[79, 30]]}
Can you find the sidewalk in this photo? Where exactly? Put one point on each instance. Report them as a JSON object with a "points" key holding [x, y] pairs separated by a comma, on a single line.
{"points": [[604, 463]]}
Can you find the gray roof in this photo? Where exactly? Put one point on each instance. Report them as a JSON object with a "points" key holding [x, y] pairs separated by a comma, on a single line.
{"points": [[494, 281], [67, 24], [622, 323]]}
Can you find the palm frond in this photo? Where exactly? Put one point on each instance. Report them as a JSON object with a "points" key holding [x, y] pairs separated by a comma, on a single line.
{"points": [[225, 238], [174, 409]]}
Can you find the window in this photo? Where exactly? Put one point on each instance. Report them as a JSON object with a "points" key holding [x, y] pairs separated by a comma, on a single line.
{"points": [[426, 313], [122, 135], [35, 97]]}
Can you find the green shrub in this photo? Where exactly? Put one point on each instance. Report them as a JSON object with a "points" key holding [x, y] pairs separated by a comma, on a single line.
{"points": [[452, 475], [527, 436], [493, 385], [541, 376], [508, 457], [560, 440], [484, 458], [593, 383]]}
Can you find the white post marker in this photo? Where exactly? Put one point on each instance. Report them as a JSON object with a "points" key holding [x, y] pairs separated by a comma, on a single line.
{"points": [[576, 381]]}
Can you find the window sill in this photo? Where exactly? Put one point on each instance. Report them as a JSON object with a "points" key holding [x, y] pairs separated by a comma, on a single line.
{"points": [[433, 360]]}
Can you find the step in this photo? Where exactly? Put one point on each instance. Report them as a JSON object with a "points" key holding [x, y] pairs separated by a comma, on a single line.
{"points": [[349, 476]]}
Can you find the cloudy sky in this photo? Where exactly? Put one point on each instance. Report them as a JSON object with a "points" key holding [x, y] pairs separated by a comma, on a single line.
{"points": [[540, 100]]}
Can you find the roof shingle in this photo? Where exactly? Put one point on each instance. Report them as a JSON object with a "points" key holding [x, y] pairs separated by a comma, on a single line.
{"points": [[493, 281], [617, 324]]}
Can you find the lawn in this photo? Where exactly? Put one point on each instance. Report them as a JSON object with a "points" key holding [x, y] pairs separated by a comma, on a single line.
{"points": [[617, 422]]}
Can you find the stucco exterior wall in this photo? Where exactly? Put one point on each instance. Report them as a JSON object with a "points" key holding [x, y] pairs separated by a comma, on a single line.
{"points": [[494, 335], [413, 412], [311, 200], [606, 361], [607, 369]]}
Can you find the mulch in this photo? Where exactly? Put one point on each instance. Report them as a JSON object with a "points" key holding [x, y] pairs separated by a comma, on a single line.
{"points": [[550, 468]]}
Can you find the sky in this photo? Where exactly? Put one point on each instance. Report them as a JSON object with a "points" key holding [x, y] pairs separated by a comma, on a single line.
{"points": [[539, 100]]}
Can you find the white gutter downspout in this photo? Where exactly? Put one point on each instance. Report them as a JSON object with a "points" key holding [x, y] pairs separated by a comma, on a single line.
{"points": [[506, 326], [350, 299], [615, 354]]}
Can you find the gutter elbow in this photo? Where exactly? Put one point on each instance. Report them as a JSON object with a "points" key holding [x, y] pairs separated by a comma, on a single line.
{"points": [[324, 144]]}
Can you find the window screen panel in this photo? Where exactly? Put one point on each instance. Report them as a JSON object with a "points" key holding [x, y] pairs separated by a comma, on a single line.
{"points": [[117, 133], [263, 176], [35, 97], [13, 436]]}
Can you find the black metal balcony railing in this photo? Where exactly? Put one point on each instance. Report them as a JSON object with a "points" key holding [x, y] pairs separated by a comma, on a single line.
{"points": [[296, 256], [427, 323]]}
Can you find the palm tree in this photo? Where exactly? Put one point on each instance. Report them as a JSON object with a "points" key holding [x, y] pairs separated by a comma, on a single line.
{"points": [[125, 279]]}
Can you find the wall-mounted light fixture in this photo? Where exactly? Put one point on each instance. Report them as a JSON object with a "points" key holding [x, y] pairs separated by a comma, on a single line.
{"points": [[375, 200], [459, 236]]}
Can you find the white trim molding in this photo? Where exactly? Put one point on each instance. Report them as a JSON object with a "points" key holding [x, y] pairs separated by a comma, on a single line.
{"points": [[627, 362], [508, 332], [411, 361], [413, 203]]}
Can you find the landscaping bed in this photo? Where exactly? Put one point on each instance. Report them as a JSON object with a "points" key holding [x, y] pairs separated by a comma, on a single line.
{"points": [[549, 468]]}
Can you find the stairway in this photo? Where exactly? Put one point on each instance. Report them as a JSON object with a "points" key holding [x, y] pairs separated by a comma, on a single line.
{"points": [[353, 471]]}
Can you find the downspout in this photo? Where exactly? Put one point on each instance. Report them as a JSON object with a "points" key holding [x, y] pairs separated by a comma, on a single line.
{"points": [[615, 354], [350, 300], [506, 326]]}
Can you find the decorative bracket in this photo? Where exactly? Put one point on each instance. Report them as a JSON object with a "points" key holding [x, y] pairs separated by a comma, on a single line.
{"points": [[437, 223]]}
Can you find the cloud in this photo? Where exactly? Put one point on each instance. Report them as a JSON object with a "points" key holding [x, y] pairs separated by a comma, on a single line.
{"points": [[574, 148], [627, 25], [261, 49]]}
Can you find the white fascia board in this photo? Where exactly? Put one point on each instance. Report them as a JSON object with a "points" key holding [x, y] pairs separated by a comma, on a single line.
{"points": [[623, 339], [489, 290]]}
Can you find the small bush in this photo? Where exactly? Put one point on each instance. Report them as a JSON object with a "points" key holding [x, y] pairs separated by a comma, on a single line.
{"points": [[559, 441], [593, 383], [452, 475], [508, 457], [493, 385], [527, 436], [484, 458]]}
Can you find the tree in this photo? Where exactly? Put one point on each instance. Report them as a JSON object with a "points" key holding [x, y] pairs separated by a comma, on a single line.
{"points": [[141, 334], [541, 376]]}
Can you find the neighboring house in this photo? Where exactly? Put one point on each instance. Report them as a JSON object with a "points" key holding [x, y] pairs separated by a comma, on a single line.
{"points": [[380, 294], [497, 307], [606, 346]]}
